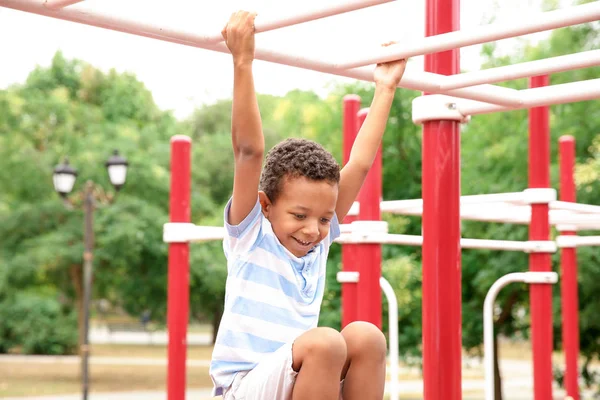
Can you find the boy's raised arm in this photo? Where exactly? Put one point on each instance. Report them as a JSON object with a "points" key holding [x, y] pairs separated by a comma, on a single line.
{"points": [[387, 76], [246, 128]]}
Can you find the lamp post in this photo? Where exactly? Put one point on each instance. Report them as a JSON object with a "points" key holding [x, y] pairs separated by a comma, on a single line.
{"points": [[64, 179]]}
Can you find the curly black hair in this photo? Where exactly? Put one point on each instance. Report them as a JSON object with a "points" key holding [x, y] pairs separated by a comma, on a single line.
{"points": [[294, 158]]}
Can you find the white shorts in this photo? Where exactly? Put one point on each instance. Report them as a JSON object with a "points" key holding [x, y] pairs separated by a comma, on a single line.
{"points": [[272, 379]]}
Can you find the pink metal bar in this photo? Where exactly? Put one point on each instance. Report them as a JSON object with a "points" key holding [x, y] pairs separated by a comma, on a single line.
{"points": [[297, 17], [568, 259], [523, 70], [350, 261], [483, 34], [540, 295], [58, 4], [368, 288], [442, 310], [174, 34], [179, 268], [538, 97]]}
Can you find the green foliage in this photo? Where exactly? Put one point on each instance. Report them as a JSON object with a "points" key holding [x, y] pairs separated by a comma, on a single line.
{"points": [[36, 323]]}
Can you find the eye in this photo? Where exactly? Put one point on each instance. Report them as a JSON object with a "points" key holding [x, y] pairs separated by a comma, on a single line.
{"points": [[299, 216], [325, 220]]}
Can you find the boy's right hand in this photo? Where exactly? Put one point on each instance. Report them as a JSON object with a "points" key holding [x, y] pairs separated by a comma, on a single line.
{"points": [[239, 36]]}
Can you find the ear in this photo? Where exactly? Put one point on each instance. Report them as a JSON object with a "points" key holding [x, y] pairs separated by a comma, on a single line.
{"points": [[265, 203]]}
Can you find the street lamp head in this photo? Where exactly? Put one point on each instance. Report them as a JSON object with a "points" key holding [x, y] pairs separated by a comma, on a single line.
{"points": [[64, 178], [117, 170]]}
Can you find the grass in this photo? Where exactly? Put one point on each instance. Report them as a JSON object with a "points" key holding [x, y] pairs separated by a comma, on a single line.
{"points": [[35, 379], [193, 353], [28, 379]]}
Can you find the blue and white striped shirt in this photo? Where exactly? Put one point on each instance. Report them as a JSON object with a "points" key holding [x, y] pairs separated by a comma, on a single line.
{"points": [[271, 296]]}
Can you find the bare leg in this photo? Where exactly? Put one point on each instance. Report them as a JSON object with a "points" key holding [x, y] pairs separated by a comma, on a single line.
{"points": [[364, 371], [319, 356]]}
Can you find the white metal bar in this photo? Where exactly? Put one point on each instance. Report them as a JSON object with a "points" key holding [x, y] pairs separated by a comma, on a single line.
{"points": [[175, 232], [492, 93], [577, 241], [543, 96], [513, 197], [482, 34], [576, 207], [388, 291], [264, 24], [382, 238], [415, 240], [58, 4], [488, 318], [175, 34], [562, 217], [509, 245], [533, 68]]}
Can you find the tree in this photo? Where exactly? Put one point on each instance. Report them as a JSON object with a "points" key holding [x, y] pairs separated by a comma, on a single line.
{"points": [[72, 109]]}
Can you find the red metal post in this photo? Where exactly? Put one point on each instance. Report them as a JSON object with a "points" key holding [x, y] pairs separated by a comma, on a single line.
{"points": [[369, 255], [349, 259], [568, 259], [540, 294], [442, 331], [179, 268]]}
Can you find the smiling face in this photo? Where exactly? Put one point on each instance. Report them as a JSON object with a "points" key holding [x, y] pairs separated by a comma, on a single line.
{"points": [[302, 213]]}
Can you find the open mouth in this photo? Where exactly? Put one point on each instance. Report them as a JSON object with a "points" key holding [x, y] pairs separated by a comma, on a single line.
{"points": [[302, 242]]}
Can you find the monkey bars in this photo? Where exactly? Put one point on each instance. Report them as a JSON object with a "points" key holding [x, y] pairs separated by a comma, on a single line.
{"points": [[473, 86]]}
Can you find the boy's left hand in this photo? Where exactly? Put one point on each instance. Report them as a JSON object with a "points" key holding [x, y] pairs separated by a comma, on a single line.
{"points": [[390, 73]]}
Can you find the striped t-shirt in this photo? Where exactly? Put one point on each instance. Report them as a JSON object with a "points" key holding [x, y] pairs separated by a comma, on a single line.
{"points": [[271, 296]]}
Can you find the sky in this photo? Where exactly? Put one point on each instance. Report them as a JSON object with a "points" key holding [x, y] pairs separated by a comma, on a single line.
{"points": [[182, 77]]}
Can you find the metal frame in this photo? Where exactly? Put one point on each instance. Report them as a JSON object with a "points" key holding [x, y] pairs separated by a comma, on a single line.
{"points": [[441, 166], [482, 34], [543, 278], [473, 86]]}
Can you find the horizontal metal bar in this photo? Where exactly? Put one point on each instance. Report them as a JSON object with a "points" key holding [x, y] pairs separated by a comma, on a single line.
{"points": [[264, 24], [576, 207], [572, 241], [487, 33], [465, 243], [175, 34], [523, 70], [537, 97], [58, 4], [513, 197], [489, 93]]}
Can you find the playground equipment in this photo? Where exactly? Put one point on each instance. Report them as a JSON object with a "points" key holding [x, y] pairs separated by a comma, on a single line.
{"points": [[452, 98]]}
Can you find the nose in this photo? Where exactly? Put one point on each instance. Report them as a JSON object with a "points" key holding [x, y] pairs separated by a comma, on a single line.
{"points": [[311, 229]]}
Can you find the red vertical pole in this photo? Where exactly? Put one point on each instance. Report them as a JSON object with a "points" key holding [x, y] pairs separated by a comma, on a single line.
{"points": [[179, 267], [349, 259], [442, 331], [369, 255], [540, 294], [568, 259]]}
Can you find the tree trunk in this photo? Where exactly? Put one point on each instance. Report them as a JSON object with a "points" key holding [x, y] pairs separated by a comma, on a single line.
{"points": [[216, 321], [77, 280], [497, 376], [504, 314]]}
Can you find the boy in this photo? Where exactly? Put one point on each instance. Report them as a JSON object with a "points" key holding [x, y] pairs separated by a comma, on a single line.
{"points": [[280, 225]]}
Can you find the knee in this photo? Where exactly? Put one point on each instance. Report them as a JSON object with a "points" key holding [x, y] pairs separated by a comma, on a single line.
{"points": [[364, 339], [320, 344]]}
